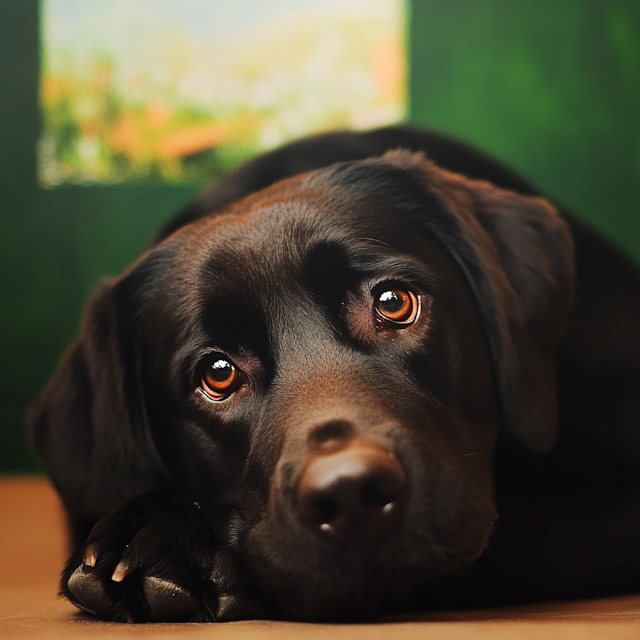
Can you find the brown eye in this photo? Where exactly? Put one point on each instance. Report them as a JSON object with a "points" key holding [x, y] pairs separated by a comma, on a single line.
{"points": [[397, 306], [220, 379]]}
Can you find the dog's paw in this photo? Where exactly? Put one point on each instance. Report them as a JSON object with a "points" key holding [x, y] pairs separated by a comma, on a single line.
{"points": [[154, 560]]}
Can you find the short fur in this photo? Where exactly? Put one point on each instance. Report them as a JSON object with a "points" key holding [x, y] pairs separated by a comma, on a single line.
{"points": [[276, 267]]}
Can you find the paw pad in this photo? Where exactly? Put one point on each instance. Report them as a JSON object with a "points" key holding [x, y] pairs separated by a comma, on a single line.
{"points": [[89, 593], [166, 600]]}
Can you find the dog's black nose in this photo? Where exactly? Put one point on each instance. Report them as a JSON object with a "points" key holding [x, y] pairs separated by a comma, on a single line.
{"points": [[352, 494]]}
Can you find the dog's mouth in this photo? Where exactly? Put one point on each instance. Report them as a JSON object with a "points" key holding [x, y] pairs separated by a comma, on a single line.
{"points": [[353, 586], [330, 583], [361, 534]]}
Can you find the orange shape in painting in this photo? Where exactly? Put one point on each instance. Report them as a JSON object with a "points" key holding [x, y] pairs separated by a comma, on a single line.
{"points": [[190, 140]]}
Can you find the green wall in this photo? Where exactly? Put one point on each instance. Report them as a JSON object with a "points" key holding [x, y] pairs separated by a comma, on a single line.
{"points": [[552, 87], [55, 244]]}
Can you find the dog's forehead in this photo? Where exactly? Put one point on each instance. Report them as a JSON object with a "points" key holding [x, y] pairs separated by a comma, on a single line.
{"points": [[282, 240]]}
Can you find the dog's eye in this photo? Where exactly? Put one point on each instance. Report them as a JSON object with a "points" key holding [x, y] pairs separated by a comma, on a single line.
{"points": [[220, 379], [397, 306]]}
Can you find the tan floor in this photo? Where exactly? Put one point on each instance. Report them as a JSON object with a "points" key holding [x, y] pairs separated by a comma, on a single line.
{"points": [[32, 549]]}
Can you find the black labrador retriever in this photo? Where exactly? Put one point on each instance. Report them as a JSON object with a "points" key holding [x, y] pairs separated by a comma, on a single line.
{"points": [[351, 377]]}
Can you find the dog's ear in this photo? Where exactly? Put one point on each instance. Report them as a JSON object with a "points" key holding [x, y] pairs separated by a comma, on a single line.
{"points": [[89, 425], [518, 257]]}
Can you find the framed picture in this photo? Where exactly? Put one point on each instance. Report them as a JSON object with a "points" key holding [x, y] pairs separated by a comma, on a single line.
{"points": [[180, 90]]}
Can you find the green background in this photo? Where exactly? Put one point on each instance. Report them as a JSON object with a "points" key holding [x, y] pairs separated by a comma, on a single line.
{"points": [[551, 87]]}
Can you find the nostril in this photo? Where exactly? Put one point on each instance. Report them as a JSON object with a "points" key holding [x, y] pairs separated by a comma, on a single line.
{"points": [[375, 497], [322, 512], [351, 493]]}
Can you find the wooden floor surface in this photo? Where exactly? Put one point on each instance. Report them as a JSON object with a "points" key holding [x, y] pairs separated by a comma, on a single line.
{"points": [[32, 549]]}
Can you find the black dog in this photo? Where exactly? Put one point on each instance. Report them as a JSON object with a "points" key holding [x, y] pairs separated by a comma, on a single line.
{"points": [[314, 399]]}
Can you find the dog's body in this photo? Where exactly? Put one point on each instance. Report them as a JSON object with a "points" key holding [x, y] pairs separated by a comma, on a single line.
{"points": [[320, 396]]}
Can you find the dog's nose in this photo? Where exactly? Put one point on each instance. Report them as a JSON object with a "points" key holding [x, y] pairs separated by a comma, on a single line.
{"points": [[352, 494]]}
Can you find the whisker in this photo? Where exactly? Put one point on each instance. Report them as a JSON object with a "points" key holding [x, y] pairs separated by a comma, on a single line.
{"points": [[377, 241]]}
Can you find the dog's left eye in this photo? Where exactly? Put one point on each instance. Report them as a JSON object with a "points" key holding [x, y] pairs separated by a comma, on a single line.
{"points": [[220, 379], [397, 307]]}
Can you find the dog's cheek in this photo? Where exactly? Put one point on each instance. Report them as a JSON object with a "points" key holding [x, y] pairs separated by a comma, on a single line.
{"points": [[199, 464], [451, 459]]}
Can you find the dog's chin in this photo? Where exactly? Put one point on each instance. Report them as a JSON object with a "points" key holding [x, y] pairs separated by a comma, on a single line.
{"points": [[345, 598], [311, 581], [348, 591]]}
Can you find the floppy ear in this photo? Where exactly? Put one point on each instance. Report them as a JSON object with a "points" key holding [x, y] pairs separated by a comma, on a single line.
{"points": [[518, 257], [89, 424]]}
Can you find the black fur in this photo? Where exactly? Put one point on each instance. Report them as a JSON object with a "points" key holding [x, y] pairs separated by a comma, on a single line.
{"points": [[204, 502]]}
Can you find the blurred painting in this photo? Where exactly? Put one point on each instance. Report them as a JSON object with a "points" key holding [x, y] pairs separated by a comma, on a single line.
{"points": [[182, 90]]}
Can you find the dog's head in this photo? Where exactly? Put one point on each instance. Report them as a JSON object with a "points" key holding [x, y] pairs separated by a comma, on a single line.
{"points": [[325, 367]]}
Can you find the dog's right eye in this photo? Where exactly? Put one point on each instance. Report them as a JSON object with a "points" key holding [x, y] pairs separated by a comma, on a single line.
{"points": [[220, 379]]}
